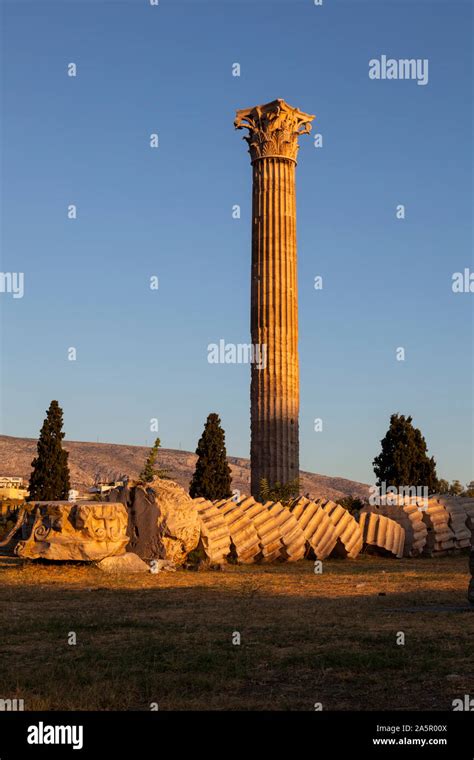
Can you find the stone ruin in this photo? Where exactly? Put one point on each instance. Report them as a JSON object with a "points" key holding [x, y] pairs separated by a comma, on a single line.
{"points": [[59, 530], [161, 522]]}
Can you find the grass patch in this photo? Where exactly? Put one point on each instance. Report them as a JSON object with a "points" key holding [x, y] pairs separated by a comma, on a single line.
{"points": [[305, 638]]}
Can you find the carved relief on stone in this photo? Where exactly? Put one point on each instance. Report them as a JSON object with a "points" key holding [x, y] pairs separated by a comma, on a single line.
{"points": [[65, 531], [274, 129], [102, 522]]}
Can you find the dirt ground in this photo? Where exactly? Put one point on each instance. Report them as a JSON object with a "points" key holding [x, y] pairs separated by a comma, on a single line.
{"points": [[305, 638]]}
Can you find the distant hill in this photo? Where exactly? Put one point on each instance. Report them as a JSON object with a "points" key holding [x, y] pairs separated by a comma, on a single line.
{"points": [[109, 460]]}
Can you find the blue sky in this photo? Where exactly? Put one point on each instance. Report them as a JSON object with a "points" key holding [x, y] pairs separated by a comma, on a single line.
{"points": [[142, 354]]}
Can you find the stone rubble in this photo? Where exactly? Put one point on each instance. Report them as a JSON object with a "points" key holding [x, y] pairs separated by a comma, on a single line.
{"points": [[158, 528], [123, 563], [381, 533]]}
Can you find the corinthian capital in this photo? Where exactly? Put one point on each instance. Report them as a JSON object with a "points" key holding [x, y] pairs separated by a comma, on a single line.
{"points": [[274, 129]]}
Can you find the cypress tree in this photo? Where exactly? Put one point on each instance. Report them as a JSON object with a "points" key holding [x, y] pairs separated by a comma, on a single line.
{"points": [[149, 472], [49, 479], [403, 460], [211, 478]]}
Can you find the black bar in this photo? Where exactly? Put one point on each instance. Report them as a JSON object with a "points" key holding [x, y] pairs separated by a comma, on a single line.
{"points": [[220, 734]]}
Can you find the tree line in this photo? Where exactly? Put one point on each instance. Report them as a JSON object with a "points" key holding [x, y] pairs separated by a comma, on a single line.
{"points": [[403, 461]]}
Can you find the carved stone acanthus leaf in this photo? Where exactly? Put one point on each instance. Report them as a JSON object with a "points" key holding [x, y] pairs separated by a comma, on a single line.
{"points": [[274, 129]]}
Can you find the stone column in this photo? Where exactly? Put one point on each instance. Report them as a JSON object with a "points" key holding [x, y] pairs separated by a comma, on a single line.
{"points": [[274, 394]]}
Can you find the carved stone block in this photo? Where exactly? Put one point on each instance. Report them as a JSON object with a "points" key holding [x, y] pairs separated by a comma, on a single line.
{"points": [[86, 531]]}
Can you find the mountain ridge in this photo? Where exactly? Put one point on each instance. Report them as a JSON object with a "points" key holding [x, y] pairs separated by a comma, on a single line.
{"points": [[88, 461]]}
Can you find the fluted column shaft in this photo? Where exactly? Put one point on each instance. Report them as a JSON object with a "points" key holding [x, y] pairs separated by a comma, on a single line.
{"points": [[274, 389], [273, 132]]}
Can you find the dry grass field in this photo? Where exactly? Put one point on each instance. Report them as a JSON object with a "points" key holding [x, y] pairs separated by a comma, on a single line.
{"points": [[305, 638]]}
